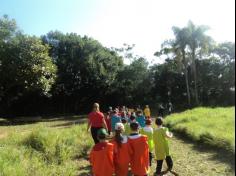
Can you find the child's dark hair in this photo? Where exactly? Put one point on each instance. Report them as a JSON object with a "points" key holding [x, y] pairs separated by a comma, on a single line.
{"points": [[101, 136], [118, 138], [123, 120], [139, 112], [159, 121], [134, 126], [148, 122], [132, 117]]}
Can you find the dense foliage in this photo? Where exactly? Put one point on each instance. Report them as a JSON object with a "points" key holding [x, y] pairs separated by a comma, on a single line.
{"points": [[66, 73]]}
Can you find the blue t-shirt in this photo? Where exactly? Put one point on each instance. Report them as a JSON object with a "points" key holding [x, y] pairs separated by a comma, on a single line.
{"points": [[141, 120], [114, 120]]}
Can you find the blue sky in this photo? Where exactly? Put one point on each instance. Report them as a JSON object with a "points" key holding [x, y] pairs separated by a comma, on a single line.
{"points": [[38, 17], [146, 23]]}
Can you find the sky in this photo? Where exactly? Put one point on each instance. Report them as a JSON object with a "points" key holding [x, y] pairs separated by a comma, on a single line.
{"points": [[145, 23]]}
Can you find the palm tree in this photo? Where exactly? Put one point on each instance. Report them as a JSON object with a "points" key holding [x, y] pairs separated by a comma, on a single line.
{"points": [[177, 48], [180, 45], [190, 43], [198, 43]]}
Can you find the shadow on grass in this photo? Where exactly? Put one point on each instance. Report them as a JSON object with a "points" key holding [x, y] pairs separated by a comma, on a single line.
{"points": [[70, 123], [86, 171], [84, 154], [72, 120], [218, 153]]}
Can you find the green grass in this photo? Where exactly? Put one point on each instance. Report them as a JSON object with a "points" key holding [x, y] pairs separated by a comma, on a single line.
{"points": [[212, 126], [59, 146], [42, 149]]}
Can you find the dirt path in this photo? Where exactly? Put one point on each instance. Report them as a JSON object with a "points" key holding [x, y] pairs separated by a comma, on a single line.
{"points": [[3, 135], [196, 160], [189, 160]]}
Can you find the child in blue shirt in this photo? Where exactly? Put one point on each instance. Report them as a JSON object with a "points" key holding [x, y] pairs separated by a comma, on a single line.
{"points": [[115, 118], [141, 119]]}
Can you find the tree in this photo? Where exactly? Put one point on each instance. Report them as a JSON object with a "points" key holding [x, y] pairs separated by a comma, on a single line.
{"points": [[199, 44], [86, 69], [131, 83], [225, 51], [177, 48], [25, 65], [8, 28], [180, 46], [168, 84]]}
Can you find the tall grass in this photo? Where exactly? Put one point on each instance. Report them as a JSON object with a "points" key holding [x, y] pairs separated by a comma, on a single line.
{"points": [[212, 126], [44, 151]]}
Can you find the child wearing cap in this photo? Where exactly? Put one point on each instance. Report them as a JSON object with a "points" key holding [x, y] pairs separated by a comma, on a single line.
{"points": [[102, 156], [161, 146], [121, 153], [139, 151], [148, 131]]}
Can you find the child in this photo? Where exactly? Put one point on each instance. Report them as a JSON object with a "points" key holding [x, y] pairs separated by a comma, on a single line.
{"points": [[140, 119], [148, 131], [122, 157], [102, 157], [115, 119], [147, 112], [108, 121], [132, 118], [139, 151], [161, 111], [126, 126], [161, 146]]}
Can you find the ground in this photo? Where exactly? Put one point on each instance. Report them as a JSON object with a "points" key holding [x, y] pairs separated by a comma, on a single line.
{"points": [[190, 159]]}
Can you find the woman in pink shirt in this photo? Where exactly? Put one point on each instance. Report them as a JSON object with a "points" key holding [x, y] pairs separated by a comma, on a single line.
{"points": [[96, 121]]}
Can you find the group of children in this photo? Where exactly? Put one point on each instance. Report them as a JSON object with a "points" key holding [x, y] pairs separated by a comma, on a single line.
{"points": [[129, 142]]}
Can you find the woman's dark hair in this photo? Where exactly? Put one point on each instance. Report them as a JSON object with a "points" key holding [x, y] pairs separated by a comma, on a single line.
{"points": [[118, 137], [159, 121]]}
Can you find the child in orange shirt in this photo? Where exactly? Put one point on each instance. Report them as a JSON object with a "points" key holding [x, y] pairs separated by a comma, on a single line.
{"points": [[122, 158], [139, 151], [102, 156]]}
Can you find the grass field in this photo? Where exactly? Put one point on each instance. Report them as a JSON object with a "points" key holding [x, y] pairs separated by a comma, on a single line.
{"points": [[60, 146], [45, 148], [212, 126]]}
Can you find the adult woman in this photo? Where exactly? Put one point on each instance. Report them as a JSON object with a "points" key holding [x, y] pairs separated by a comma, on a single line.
{"points": [[96, 121]]}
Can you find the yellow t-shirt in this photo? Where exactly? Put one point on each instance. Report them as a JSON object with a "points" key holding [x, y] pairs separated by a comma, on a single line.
{"points": [[161, 144], [147, 112]]}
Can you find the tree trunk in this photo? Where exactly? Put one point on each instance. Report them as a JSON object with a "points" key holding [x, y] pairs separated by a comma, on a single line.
{"points": [[186, 77], [195, 78], [187, 86]]}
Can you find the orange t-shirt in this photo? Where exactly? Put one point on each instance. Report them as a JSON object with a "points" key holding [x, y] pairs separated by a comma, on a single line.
{"points": [[102, 159], [122, 158], [139, 153]]}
